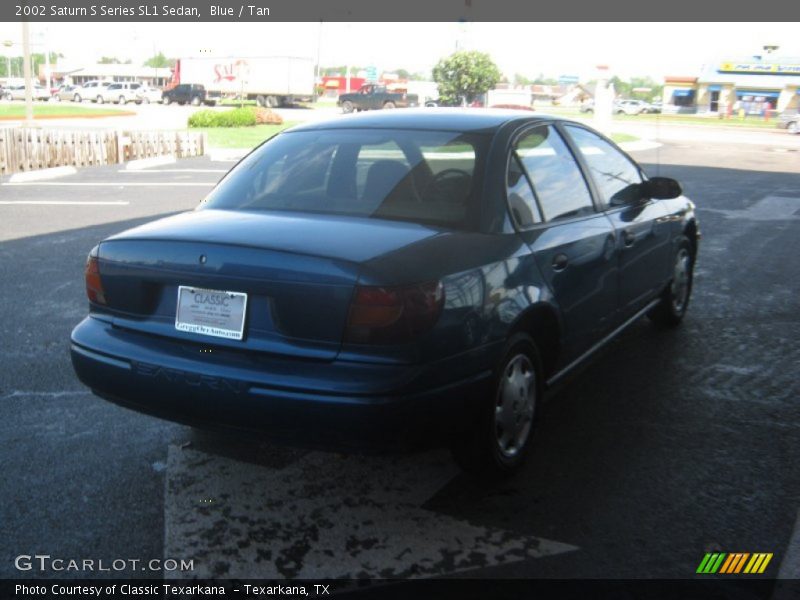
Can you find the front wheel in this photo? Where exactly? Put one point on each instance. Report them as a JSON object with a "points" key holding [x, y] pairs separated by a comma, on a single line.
{"points": [[122, 100], [497, 441], [196, 101], [99, 100], [669, 312], [389, 105], [76, 98], [347, 107], [793, 127], [166, 100]]}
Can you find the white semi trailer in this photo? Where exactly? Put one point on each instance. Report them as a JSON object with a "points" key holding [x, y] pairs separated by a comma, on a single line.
{"points": [[269, 80]]}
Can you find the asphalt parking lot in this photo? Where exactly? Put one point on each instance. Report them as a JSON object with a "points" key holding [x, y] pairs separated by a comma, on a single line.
{"points": [[666, 446]]}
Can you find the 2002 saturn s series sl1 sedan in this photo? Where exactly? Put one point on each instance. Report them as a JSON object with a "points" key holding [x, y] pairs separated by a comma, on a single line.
{"points": [[390, 277]]}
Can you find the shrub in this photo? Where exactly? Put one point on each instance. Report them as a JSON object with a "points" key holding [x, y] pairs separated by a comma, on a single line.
{"points": [[237, 117], [265, 116]]}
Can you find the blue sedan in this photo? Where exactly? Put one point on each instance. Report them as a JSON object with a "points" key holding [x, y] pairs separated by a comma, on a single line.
{"points": [[392, 278]]}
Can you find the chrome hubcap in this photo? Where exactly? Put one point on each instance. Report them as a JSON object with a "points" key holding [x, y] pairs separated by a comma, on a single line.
{"points": [[680, 280], [516, 401]]}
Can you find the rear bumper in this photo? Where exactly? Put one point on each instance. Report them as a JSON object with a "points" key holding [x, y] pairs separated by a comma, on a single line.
{"points": [[318, 404]]}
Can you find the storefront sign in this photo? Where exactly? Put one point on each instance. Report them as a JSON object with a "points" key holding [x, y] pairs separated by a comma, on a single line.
{"points": [[773, 69]]}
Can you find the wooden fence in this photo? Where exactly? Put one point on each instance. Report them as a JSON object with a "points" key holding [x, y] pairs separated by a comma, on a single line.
{"points": [[25, 149]]}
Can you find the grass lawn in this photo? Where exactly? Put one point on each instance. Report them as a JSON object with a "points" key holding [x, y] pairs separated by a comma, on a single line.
{"points": [[241, 137], [249, 137], [623, 137], [56, 111], [699, 120]]}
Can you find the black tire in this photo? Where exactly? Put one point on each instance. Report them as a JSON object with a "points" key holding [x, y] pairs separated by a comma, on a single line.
{"points": [[261, 101], [122, 100], [272, 101], [77, 98], [389, 105], [793, 127], [675, 298], [165, 100], [347, 107], [99, 100], [479, 449], [196, 101]]}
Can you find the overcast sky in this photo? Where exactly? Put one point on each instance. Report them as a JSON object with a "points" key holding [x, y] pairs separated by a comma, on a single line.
{"points": [[654, 49]]}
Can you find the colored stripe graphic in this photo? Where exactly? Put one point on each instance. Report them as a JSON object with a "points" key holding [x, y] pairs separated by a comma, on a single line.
{"points": [[727, 564], [734, 563], [759, 562], [711, 562]]}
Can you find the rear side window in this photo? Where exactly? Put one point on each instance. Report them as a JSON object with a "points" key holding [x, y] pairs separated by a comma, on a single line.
{"points": [[615, 176], [556, 178], [428, 177]]}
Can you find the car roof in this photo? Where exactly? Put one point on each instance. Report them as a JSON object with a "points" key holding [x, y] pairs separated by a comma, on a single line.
{"points": [[441, 119]]}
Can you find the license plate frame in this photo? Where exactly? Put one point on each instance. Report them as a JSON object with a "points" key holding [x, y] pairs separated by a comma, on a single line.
{"points": [[205, 312]]}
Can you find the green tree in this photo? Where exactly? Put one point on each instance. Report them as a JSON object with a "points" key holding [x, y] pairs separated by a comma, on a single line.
{"points": [[159, 61], [520, 79], [466, 75]]}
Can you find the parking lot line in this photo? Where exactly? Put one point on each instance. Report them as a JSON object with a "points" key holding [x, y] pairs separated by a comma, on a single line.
{"points": [[68, 202], [151, 171], [113, 184]]}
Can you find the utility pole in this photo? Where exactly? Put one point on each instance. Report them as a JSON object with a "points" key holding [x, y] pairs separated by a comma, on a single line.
{"points": [[26, 66]]}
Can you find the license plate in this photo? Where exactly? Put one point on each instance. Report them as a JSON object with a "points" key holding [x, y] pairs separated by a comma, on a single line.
{"points": [[211, 312]]}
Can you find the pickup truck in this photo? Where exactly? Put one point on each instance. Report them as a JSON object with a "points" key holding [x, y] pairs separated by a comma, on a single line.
{"points": [[191, 93], [371, 97]]}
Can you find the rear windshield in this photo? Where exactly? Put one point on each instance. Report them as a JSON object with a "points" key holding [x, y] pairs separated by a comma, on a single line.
{"points": [[427, 177]]}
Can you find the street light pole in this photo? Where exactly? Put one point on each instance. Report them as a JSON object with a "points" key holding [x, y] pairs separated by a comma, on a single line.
{"points": [[26, 66]]}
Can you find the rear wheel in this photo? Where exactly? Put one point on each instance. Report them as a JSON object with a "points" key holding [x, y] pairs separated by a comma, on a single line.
{"points": [[272, 101], [77, 98], [196, 101], [166, 100], [675, 299], [389, 105], [794, 127], [122, 100], [99, 99], [498, 440]]}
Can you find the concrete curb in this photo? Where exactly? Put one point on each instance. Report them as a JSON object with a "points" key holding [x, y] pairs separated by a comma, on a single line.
{"points": [[42, 174], [639, 145], [147, 163], [227, 154]]}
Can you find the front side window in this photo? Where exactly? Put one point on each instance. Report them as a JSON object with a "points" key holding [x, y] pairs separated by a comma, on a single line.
{"points": [[556, 178], [428, 177], [616, 177]]}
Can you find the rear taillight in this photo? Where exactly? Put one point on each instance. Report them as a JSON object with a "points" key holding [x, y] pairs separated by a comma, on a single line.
{"points": [[393, 315], [94, 285]]}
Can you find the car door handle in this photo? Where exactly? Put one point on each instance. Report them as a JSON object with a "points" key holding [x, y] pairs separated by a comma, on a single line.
{"points": [[560, 262], [628, 237]]}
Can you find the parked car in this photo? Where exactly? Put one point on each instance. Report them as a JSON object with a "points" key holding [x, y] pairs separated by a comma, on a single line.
{"points": [[631, 107], [65, 93], [89, 90], [790, 121], [120, 92], [396, 276], [187, 93], [587, 106], [17, 92], [146, 95], [656, 106]]}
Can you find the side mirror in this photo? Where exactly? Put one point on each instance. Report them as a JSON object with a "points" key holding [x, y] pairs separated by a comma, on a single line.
{"points": [[661, 188]]}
